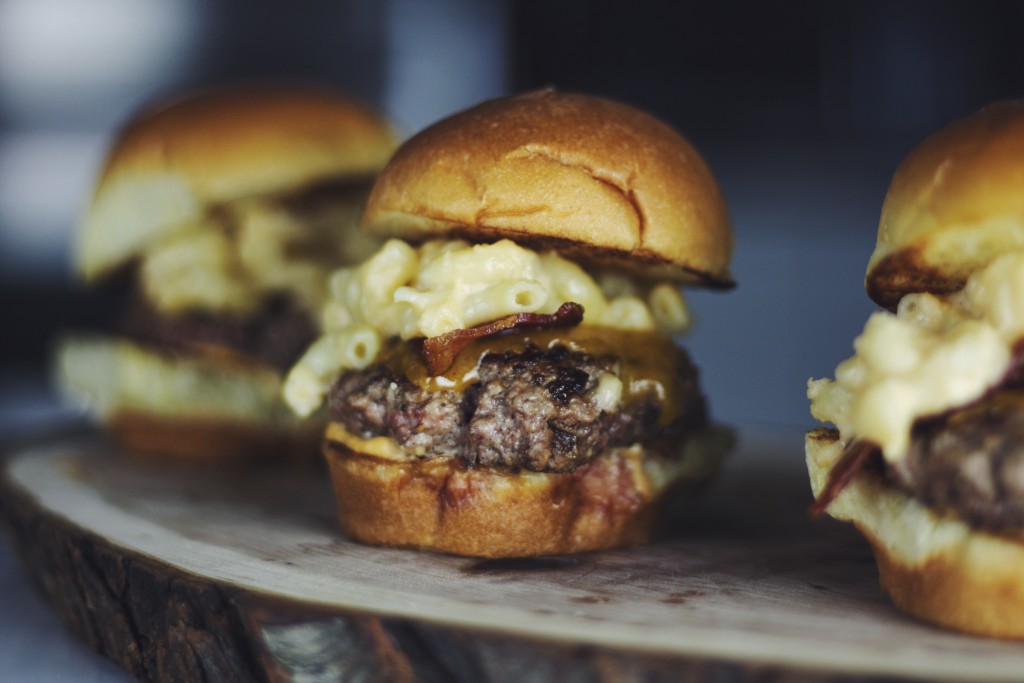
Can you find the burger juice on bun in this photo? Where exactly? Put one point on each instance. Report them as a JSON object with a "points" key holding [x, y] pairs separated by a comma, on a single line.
{"points": [[224, 211], [500, 376], [926, 456]]}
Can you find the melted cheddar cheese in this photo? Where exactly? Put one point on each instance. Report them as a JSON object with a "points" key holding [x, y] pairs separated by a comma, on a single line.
{"points": [[648, 362]]}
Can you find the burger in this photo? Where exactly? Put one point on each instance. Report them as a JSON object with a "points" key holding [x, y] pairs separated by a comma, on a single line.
{"points": [[926, 456], [500, 378], [216, 220]]}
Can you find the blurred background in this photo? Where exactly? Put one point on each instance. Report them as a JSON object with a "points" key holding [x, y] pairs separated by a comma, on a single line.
{"points": [[803, 109]]}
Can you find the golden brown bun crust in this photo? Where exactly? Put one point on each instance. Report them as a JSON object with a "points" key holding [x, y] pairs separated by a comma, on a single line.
{"points": [[953, 205], [965, 593], [930, 565], [211, 440], [599, 180], [240, 141], [443, 506], [169, 164]]}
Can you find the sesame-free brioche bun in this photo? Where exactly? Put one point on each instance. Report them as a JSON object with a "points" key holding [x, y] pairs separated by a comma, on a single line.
{"points": [[212, 439], [440, 504], [933, 566], [954, 204], [600, 181], [170, 164]]}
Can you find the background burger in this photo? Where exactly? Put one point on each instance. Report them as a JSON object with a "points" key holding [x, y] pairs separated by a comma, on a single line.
{"points": [[221, 214], [927, 454], [500, 376]]}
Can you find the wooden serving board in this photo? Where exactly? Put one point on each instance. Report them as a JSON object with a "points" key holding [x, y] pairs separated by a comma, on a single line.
{"points": [[216, 575]]}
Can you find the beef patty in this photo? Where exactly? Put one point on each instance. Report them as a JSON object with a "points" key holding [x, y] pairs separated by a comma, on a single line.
{"points": [[970, 463], [277, 335], [536, 410]]}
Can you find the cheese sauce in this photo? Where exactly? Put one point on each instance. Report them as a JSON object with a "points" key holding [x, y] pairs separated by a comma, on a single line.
{"points": [[935, 354], [446, 285]]}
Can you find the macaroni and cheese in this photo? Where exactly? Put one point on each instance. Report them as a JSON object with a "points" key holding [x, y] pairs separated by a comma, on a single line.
{"points": [[251, 248], [934, 354], [445, 285]]}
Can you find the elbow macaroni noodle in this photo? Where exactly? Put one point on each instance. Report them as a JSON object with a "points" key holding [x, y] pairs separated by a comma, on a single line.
{"points": [[233, 257], [446, 285], [192, 269], [934, 354]]}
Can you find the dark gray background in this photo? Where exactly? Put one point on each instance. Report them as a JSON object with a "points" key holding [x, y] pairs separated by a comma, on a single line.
{"points": [[803, 109]]}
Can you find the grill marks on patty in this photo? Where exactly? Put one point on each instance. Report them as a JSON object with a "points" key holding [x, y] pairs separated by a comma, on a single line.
{"points": [[533, 410]]}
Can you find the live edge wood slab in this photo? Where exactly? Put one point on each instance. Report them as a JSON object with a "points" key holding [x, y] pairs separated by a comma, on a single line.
{"points": [[215, 575]]}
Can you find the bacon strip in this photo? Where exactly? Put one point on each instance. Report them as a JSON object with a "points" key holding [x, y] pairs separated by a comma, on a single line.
{"points": [[853, 460], [439, 352], [1014, 376]]}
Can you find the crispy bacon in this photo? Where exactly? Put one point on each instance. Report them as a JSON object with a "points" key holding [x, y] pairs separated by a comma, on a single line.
{"points": [[853, 460], [439, 352], [1014, 376]]}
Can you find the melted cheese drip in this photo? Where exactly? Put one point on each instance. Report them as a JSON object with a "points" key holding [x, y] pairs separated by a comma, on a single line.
{"points": [[649, 362]]}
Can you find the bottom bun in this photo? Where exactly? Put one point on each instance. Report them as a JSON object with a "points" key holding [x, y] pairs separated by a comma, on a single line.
{"points": [[179, 405], [211, 439], [933, 566], [385, 498]]}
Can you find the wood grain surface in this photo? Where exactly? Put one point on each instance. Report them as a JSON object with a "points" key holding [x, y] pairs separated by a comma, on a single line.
{"points": [[215, 574]]}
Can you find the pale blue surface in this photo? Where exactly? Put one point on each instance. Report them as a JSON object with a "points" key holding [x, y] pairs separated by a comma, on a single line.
{"points": [[35, 647]]}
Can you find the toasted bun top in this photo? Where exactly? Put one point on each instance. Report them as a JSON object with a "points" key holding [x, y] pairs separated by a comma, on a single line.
{"points": [[955, 203], [598, 180], [169, 164]]}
